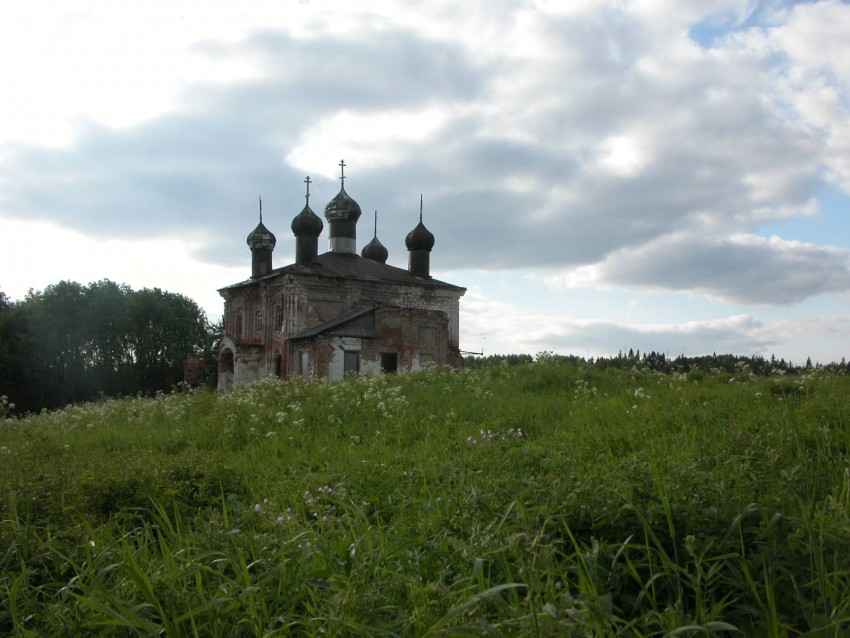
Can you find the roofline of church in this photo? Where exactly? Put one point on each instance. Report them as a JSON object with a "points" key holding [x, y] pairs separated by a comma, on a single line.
{"points": [[310, 270]]}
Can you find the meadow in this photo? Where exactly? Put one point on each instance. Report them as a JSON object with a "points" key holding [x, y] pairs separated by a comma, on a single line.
{"points": [[550, 499]]}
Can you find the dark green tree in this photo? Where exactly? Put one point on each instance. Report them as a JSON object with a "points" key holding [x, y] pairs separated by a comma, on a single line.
{"points": [[10, 359], [107, 350], [71, 343], [51, 329], [165, 329]]}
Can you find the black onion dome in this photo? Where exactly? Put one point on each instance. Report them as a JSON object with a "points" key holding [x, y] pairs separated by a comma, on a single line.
{"points": [[375, 251], [342, 207], [261, 237], [420, 238], [307, 223]]}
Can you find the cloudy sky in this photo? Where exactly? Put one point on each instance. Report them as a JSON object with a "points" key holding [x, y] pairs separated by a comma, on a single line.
{"points": [[601, 175]]}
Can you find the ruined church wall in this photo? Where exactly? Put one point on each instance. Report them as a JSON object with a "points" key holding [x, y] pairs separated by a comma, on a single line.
{"points": [[418, 338], [419, 323]]}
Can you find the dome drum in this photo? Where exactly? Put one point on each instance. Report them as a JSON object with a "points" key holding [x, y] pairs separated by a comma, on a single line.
{"points": [[342, 214], [306, 226]]}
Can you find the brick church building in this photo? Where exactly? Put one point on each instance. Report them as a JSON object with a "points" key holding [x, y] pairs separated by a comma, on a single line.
{"points": [[339, 312]]}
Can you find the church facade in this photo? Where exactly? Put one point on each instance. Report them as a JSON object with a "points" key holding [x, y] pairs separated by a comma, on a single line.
{"points": [[337, 313]]}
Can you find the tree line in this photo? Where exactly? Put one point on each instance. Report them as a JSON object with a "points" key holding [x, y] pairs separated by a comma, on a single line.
{"points": [[71, 343], [659, 362]]}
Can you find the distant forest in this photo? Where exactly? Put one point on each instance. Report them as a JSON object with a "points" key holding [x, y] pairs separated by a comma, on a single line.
{"points": [[659, 362], [73, 343]]}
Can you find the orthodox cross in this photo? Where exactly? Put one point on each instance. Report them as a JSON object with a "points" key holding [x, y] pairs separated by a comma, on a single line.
{"points": [[376, 224], [261, 209], [420, 208], [342, 172], [308, 181]]}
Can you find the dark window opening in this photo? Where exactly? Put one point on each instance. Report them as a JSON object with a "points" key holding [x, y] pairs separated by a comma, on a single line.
{"points": [[278, 317], [278, 365], [239, 325], [389, 361], [226, 362], [225, 369], [351, 363]]}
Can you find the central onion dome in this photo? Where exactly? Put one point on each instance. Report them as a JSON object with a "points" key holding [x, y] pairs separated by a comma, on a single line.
{"points": [[342, 207], [342, 214]]}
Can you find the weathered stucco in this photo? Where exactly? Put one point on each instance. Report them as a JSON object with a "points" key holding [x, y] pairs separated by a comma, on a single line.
{"points": [[418, 322]]}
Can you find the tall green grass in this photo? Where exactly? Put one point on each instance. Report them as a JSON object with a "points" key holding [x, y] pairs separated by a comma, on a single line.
{"points": [[543, 500]]}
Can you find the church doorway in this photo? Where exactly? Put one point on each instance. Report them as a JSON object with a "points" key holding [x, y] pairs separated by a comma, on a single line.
{"points": [[225, 369]]}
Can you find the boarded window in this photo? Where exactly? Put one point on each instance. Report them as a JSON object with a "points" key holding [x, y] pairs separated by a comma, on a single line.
{"points": [[239, 325], [351, 363], [389, 361], [304, 364], [278, 316]]}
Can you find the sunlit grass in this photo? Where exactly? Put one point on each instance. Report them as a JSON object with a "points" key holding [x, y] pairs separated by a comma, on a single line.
{"points": [[549, 499]]}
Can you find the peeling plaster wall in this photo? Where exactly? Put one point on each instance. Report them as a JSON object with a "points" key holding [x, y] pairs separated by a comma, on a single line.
{"points": [[245, 364], [247, 369]]}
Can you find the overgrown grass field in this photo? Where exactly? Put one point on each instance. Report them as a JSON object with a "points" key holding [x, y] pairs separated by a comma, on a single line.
{"points": [[543, 500]]}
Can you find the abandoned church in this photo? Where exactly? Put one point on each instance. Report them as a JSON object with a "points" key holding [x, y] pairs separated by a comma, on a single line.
{"points": [[337, 313]]}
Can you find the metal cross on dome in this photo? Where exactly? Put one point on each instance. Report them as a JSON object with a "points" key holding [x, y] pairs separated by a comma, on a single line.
{"points": [[342, 172], [308, 181]]}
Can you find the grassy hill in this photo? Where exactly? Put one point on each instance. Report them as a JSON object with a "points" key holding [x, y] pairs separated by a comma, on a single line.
{"points": [[540, 500]]}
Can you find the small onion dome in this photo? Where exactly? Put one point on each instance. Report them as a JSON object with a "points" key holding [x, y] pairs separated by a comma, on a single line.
{"points": [[375, 251], [342, 207], [307, 223], [420, 238], [261, 237]]}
